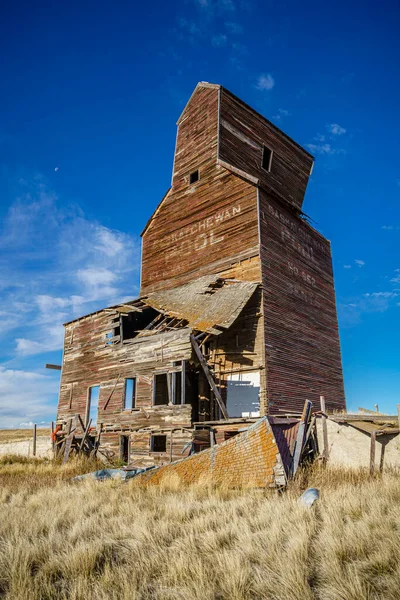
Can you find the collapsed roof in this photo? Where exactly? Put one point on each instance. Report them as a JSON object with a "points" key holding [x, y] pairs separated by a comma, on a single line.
{"points": [[210, 304]]}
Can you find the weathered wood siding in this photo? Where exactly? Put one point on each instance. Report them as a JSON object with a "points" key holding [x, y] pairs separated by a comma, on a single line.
{"points": [[301, 330], [242, 134], [241, 348], [89, 361], [205, 227]]}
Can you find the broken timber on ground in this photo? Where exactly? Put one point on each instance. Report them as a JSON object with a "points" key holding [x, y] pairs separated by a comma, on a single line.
{"points": [[236, 318]]}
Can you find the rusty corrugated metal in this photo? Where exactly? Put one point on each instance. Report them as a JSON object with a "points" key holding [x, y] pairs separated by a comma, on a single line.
{"points": [[285, 432]]}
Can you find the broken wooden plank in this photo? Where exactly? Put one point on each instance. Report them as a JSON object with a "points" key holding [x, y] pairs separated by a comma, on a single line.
{"points": [[112, 391], [324, 429], [300, 437], [86, 431], [372, 453], [208, 375]]}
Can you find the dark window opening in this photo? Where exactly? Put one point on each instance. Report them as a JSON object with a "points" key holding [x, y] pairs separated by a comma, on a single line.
{"points": [[130, 394], [194, 177], [93, 405], [134, 322], [160, 391], [124, 448], [158, 443], [266, 159], [177, 388]]}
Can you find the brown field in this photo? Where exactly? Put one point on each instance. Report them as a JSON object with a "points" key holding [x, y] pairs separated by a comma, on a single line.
{"points": [[116, 540]]}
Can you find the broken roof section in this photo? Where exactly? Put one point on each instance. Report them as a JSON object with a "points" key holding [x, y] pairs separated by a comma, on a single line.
{"points": [[210, 304]]}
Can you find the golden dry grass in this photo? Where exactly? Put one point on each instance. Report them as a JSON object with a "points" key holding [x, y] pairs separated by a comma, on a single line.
{"points": [[19, 435], [116, 540]]}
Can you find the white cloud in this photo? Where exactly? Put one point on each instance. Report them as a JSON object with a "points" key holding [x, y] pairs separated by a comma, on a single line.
{"points": [[26, 396], [347, 266], [265, 82], [321, 149], [319, 137], [336, 129], [359, 262]]}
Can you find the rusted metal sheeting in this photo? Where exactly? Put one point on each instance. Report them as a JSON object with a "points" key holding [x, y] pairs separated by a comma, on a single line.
{"points": [[285, 433], [206, 303], [301, 331]]}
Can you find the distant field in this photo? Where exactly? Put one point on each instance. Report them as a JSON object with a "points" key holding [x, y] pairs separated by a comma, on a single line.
{"points": [[20, 441], [17, 435], [112, 540]]}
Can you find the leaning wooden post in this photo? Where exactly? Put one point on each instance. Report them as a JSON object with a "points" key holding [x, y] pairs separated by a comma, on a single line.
{"points": [[53, 444], [324, 428], [34, 440], [372, 455]]}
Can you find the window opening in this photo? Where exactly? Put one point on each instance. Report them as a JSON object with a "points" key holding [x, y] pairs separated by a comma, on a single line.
{"points": [[135, 321], [243, 394], [158, 443], [160, 391], [93, 405], [124, 448], [194, 177], [130, 393], [266, 159]]}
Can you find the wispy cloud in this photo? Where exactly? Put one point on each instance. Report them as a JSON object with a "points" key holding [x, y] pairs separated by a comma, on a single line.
{"points": [[396, 278], [233, 28], [352, 311], [219, 40], [282, 112], [359, 262], [336, 129], [322, 149], [390, 227], [347, 266], [265, 82], [77, 267]]}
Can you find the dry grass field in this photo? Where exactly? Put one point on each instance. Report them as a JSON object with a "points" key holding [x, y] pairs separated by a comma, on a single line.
{"points": [[113, 540], [18, 435]]}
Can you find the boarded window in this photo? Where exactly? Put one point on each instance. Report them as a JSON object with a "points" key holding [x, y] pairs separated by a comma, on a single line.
{"points": [[266, 158], [124, 448], [93, 405], [194, 177], [243, 394], [130, 394], [158, 443]]}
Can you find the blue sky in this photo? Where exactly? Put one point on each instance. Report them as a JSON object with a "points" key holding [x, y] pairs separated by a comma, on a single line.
{"points": [[90, 96]]}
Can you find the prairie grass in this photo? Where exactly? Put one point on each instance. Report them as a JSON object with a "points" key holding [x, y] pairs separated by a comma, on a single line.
{"points": [[113, 540]]}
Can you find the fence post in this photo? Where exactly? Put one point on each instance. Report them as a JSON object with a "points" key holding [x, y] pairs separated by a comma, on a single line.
{"points": [[34, 440]]}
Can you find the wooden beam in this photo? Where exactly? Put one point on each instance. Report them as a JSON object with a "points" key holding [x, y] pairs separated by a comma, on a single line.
{"points": [[324, 428], [54, 367], [209, 377]]}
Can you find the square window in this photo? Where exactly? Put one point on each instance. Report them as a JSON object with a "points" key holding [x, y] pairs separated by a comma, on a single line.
{"points": [[158, 443], [194, 177], [266, 158]]}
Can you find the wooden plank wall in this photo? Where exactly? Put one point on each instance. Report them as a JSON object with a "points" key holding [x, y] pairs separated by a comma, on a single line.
{"points": [[242, 134], [89, 361], [301, 329], [205, 227]]}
